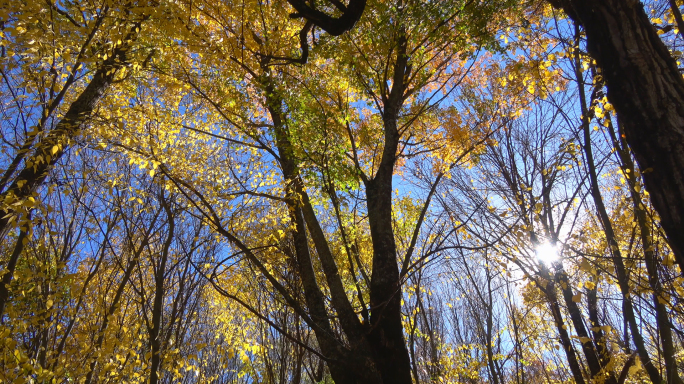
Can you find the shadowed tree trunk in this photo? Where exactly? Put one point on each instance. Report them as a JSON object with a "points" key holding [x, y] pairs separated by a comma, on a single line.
{"points": [[650, 258], [373, 352], [647, 91], [155, 330], [622, 273]]}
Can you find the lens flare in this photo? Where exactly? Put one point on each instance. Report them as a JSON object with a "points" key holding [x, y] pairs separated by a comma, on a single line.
{"points": [[547, 253]]}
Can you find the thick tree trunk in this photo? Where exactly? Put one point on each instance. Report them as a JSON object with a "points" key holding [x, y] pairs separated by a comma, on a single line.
{"points": [[355, 366], [647, 91], [650, 259], [387, 331]]}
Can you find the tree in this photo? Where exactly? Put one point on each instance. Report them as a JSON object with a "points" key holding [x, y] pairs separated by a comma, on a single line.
{"points": [[419, 63], [49, 59], [647, 89], [365, 191]]}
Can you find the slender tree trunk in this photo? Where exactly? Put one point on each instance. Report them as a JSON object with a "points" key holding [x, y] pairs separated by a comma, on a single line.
{"points": [[158, 306], [51, 148], [677, 16], [549, 289], [8, 272], [114, 305], [566, 342], [604, 218], [590, 352], [490, 329], [107, 316], [647, 91], [378, 352], [517, 347], [345, 366], [597, 332]]}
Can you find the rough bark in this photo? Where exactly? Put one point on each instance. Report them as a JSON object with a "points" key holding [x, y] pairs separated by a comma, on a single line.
{"points": [[650, 258], [647, 91], [616, 255]]}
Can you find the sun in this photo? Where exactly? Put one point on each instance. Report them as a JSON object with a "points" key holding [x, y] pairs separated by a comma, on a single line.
{"points": [[547, 253]]}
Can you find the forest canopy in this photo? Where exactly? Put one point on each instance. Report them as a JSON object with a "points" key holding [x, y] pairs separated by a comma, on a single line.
{"points": [[341, 191]]}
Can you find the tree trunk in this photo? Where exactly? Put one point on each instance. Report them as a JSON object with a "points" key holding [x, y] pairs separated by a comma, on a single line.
{"points": [[647, 91], [387, 332], [597, 332], [355, 366], [377, 352], [564, 335], [8, 273], [158, 307], [616, 255], [113, 306], [51, 148], [650, 258], [597, 367]]}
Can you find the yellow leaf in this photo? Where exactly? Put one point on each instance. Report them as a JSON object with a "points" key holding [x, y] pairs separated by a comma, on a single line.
{"points": [[586, 266], [577, 298], [538, 207]]}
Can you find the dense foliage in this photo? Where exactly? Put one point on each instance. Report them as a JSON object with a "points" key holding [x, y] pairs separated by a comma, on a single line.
{"points": [[382, 191]]}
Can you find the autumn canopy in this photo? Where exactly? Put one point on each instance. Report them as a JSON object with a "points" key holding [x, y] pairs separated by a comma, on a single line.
{"points": [[341, 191]]}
